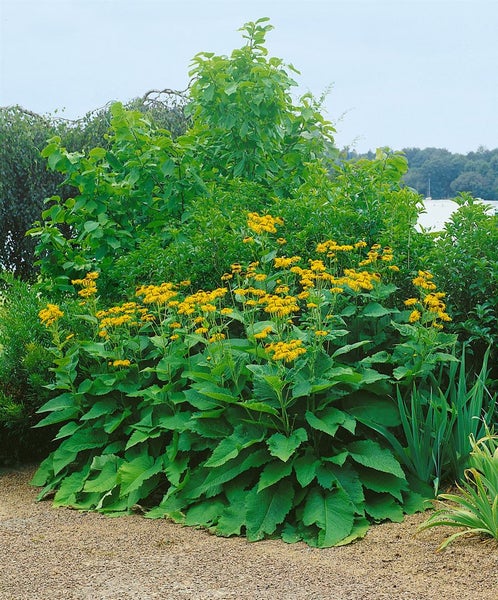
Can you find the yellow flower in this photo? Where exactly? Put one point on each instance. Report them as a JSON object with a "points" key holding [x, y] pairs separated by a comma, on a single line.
{"points": [[286, 351], [208, 307], [49, 315], [414, 316], [120, 363], [321, 332], [281, 241], [217, 337], [248, 240], [201, 330], [174, 337], [226, 311], [284, 262], [410, 301], [263, 333], [263, 223], [175, 325]]}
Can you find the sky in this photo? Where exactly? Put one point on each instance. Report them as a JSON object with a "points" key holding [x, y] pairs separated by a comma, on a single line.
{"points": [[400, 73]]}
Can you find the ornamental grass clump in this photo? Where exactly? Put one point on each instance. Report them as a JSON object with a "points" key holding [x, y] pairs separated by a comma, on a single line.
{"points": [[474, 508], [251, 409]]}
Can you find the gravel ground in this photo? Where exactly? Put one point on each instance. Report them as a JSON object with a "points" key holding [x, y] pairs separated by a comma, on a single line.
{"points": [[62, 554]]}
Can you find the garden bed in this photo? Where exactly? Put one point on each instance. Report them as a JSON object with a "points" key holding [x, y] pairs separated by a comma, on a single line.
{"points": [[71, 555]]}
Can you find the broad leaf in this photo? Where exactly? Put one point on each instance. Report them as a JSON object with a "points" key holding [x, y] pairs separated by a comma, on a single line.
{"points": [[329, 420], [369, 454], [283, 447], [267, 509], [332, 512], [242, 437], [273, 472]]}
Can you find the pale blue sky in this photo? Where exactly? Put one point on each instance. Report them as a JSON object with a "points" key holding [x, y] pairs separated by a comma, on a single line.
{"points": [[404, 72]]}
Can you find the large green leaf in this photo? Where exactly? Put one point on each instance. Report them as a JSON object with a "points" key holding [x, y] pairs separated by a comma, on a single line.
{"points": [[106, 466], [370, 454], [69, 488], [283, 447], [131, 475], [305, 467], [374, 309], [233, 517], [61, 402], [65, 414], [102, 407], [243, 436], [332, 512], [329, 420], [204, 514], [367, 408], [383, 482], [209, 484], [267, 509], [383, 506], [273, 472]]}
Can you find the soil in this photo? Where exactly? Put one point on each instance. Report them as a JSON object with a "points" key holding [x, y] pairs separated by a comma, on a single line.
{"points": [[62, 554]]}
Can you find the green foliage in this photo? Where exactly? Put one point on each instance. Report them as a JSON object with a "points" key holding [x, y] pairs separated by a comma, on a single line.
{"points": [[24, 179], [438, 173], [245, 123], [24, 183], [126, 194], [24, 370], [438, 420], [465, 260], [475, 507], [253, 409], [266, 407], [246, 135]]}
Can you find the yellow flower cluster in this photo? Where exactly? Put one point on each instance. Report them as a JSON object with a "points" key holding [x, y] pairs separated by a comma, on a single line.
{"points": [[424, 281], [217, 337], [49, 315], [435, 305], [331, 247], [88, 284], [120, 363], [359, 280], [431, 302], [286, 351], [284, 262], [263, 333], [157, 294], [201, 300], [129, 313], [279, 306], [415, 315], [263, 223]]}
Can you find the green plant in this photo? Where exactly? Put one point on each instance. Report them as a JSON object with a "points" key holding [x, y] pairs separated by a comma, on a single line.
{"points": [[24, 371], [146, 183], [439, 417], [475, 507], [465, 258], [251, 408]]}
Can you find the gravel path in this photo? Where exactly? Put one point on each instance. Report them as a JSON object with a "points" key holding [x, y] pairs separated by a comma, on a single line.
{"points": [[62, 554]]}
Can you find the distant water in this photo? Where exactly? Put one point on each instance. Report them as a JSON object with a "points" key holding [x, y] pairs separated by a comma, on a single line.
{"points": [[439, 211]]}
